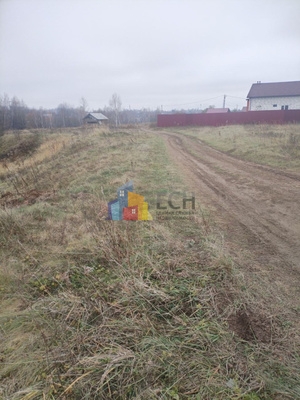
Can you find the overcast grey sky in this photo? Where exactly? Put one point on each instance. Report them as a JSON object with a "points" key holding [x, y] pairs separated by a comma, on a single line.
{"points": [[153, 53]]}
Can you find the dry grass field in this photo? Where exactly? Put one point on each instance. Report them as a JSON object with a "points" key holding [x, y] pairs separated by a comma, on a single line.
{"points": [[95, 309], [274, 145]]}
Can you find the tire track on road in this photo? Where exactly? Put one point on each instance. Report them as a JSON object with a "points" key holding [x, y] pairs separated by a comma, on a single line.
{"points": [[257, 205]]}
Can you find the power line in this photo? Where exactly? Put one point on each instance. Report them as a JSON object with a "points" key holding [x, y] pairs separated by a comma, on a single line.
{"points": [[202, 101], [194, 102], [236, 97]]}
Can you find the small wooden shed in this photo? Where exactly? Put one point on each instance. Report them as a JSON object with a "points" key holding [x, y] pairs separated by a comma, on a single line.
{"points": [[95, 118]]}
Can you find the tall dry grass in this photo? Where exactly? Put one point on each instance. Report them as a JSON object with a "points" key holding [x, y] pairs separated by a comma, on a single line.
{"points": [[92, 309]]}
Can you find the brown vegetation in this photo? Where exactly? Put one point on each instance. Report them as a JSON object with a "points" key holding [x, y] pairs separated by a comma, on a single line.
{"points": [[92, 309]]}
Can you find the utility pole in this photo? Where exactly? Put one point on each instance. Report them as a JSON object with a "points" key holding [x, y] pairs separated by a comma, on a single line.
{"points": [[224, 101]]}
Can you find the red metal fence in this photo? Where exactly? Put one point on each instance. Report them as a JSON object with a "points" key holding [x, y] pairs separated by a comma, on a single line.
{"points": [[231, 118]]}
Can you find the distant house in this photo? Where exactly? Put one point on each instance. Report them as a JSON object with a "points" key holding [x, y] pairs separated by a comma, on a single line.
{"points": [[217, 110], [95, 118], [274, 96]]}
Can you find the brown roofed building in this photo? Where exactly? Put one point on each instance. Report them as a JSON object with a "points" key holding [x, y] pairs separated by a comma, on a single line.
{"points": [[274, 96], [217, 110]]}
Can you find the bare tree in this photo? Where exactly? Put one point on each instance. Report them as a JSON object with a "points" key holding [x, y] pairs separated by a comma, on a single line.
{"points": [[116, 104], [83, 104], [18, 110], [14, 114], [4, 113]]}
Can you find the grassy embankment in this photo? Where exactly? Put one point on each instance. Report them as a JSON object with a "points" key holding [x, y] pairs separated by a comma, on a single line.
{"points": [[92, 309], [274, 145]]}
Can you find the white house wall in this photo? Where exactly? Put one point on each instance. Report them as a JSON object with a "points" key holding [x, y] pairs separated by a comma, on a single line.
{"points": [[267, 103]]}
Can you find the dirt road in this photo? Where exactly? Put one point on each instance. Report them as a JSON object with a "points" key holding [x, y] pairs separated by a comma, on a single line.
{"points": [[257, 207]]}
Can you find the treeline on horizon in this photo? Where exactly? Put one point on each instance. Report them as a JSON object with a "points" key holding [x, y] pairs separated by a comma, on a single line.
{"points": [[16, 115]]}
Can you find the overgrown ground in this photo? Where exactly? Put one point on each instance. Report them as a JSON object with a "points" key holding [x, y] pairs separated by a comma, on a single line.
{"points": [[93, 309], [274, 145]]}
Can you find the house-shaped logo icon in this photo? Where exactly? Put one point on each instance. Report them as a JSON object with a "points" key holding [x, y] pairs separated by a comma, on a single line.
{"points": [[128, 206]]}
